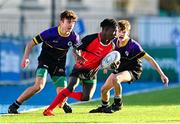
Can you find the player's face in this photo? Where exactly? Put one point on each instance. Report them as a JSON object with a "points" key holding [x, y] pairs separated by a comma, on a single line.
{"points": [[122, 35], [67, 25], [110, 33]]}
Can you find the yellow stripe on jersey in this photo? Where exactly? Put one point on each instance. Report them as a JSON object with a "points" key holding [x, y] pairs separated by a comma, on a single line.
{"points": [[48, 45], [54, 47], [35, 41], [61, 49], [38, 39], [139, 55]]}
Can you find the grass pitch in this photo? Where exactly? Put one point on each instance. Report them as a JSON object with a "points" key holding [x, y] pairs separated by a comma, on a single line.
{"points": [[161, 106]]}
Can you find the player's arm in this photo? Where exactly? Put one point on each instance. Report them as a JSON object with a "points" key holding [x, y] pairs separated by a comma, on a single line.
{"points": [[155, 65], [25, 60], [77, 54], [81, 46], [43, 36]]}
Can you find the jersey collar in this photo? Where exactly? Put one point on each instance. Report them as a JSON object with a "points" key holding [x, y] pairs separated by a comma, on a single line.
{"points": [[60, 33]]}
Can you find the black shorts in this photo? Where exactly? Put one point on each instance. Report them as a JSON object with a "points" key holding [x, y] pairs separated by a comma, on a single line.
{"points": [[54, 67], [135, 74], [84, 74]]}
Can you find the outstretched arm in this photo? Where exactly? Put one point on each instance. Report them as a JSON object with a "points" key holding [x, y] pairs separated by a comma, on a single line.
{"points": [[155, 65], [25, 60]]}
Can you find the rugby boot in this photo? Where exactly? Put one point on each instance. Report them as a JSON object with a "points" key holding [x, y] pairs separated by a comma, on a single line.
{"points": [[13, 109], [102, 109], [48, 112], [67, 108], [116, 107]]}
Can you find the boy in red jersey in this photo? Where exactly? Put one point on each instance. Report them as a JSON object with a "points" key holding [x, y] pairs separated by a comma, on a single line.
{"points": [[93, 49]]}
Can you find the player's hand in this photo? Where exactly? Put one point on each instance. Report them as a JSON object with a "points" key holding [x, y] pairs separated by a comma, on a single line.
{"points": [[165, 80], [25, 62], [115, 65]]}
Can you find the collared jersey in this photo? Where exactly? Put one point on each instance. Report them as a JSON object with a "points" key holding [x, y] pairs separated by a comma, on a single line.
{"points": [[55, 46], [93, 51], [130, 55]]}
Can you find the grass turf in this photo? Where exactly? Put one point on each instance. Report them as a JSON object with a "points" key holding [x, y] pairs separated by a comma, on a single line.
{"points": [[161, 106]]}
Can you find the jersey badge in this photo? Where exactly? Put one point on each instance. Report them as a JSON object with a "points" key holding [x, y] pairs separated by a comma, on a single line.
{"points": [[70, 43], [127, 53]]}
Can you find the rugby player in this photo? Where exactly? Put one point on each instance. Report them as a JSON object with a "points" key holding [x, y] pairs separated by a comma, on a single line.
{"points": [[94, 48], [56, 42]]}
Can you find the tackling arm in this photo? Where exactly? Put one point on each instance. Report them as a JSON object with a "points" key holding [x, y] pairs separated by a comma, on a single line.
{"points": [[155, 65]]}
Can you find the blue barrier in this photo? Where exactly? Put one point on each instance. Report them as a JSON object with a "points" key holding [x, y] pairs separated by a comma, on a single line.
{"points": [[10, 54]]}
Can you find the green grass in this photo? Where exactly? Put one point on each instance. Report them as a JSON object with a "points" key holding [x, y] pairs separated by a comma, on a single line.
{"points": [[162, 106]]}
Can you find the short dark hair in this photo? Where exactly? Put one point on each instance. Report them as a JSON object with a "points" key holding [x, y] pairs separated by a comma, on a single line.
{"points": [[109, 23], [68, 14]]}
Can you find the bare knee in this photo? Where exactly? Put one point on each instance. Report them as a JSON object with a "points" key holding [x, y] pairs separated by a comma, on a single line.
{"points": [[117, 79], [38, 86]]}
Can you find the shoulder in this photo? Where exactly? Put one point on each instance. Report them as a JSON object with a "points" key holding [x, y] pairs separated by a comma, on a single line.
{"points": [[135, 43], [87, 40], [90, 37], [51, 31], [114, 40], [74, 34]]}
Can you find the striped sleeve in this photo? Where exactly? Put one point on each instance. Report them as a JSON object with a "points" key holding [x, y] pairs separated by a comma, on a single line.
{"points": [[37, 39]]}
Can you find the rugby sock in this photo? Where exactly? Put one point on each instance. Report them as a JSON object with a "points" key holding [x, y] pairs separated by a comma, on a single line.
{"points": [[59, 98], [16, 104], [76, 95], [105, 104], [117, 100]]}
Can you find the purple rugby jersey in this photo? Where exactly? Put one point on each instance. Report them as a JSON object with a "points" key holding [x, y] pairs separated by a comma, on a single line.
{"points": [[53, 38], [54, 44], [130, 50], [130, 56]]}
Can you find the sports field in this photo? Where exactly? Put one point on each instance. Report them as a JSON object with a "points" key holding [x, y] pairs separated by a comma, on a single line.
{"points": [[160, 106]]}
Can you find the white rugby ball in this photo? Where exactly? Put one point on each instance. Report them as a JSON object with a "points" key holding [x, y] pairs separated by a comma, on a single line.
{"points": [[110, 58]]}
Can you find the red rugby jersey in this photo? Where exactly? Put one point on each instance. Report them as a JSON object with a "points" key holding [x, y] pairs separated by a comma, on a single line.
{"points": [[93, 51]]}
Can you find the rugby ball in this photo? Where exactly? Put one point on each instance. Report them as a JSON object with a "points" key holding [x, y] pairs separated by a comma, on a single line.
{"points": [[110, 58]]}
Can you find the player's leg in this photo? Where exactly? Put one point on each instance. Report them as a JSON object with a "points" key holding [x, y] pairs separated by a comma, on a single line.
{"points": [[60, 83], [40, 80], [117, 79], [105, 89], [57, 73], [89, 87], [63, 94]]}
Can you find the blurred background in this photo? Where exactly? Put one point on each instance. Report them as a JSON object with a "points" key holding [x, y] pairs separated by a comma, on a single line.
{"points": [[155, 24]]}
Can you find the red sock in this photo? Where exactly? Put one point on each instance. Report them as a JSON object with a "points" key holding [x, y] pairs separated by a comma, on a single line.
{"points": [[76, 95], [59, 98]]}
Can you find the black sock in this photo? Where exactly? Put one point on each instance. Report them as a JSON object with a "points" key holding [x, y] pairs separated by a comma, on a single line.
{"points": [[16, 104], [104, 104], [118, 100]]}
